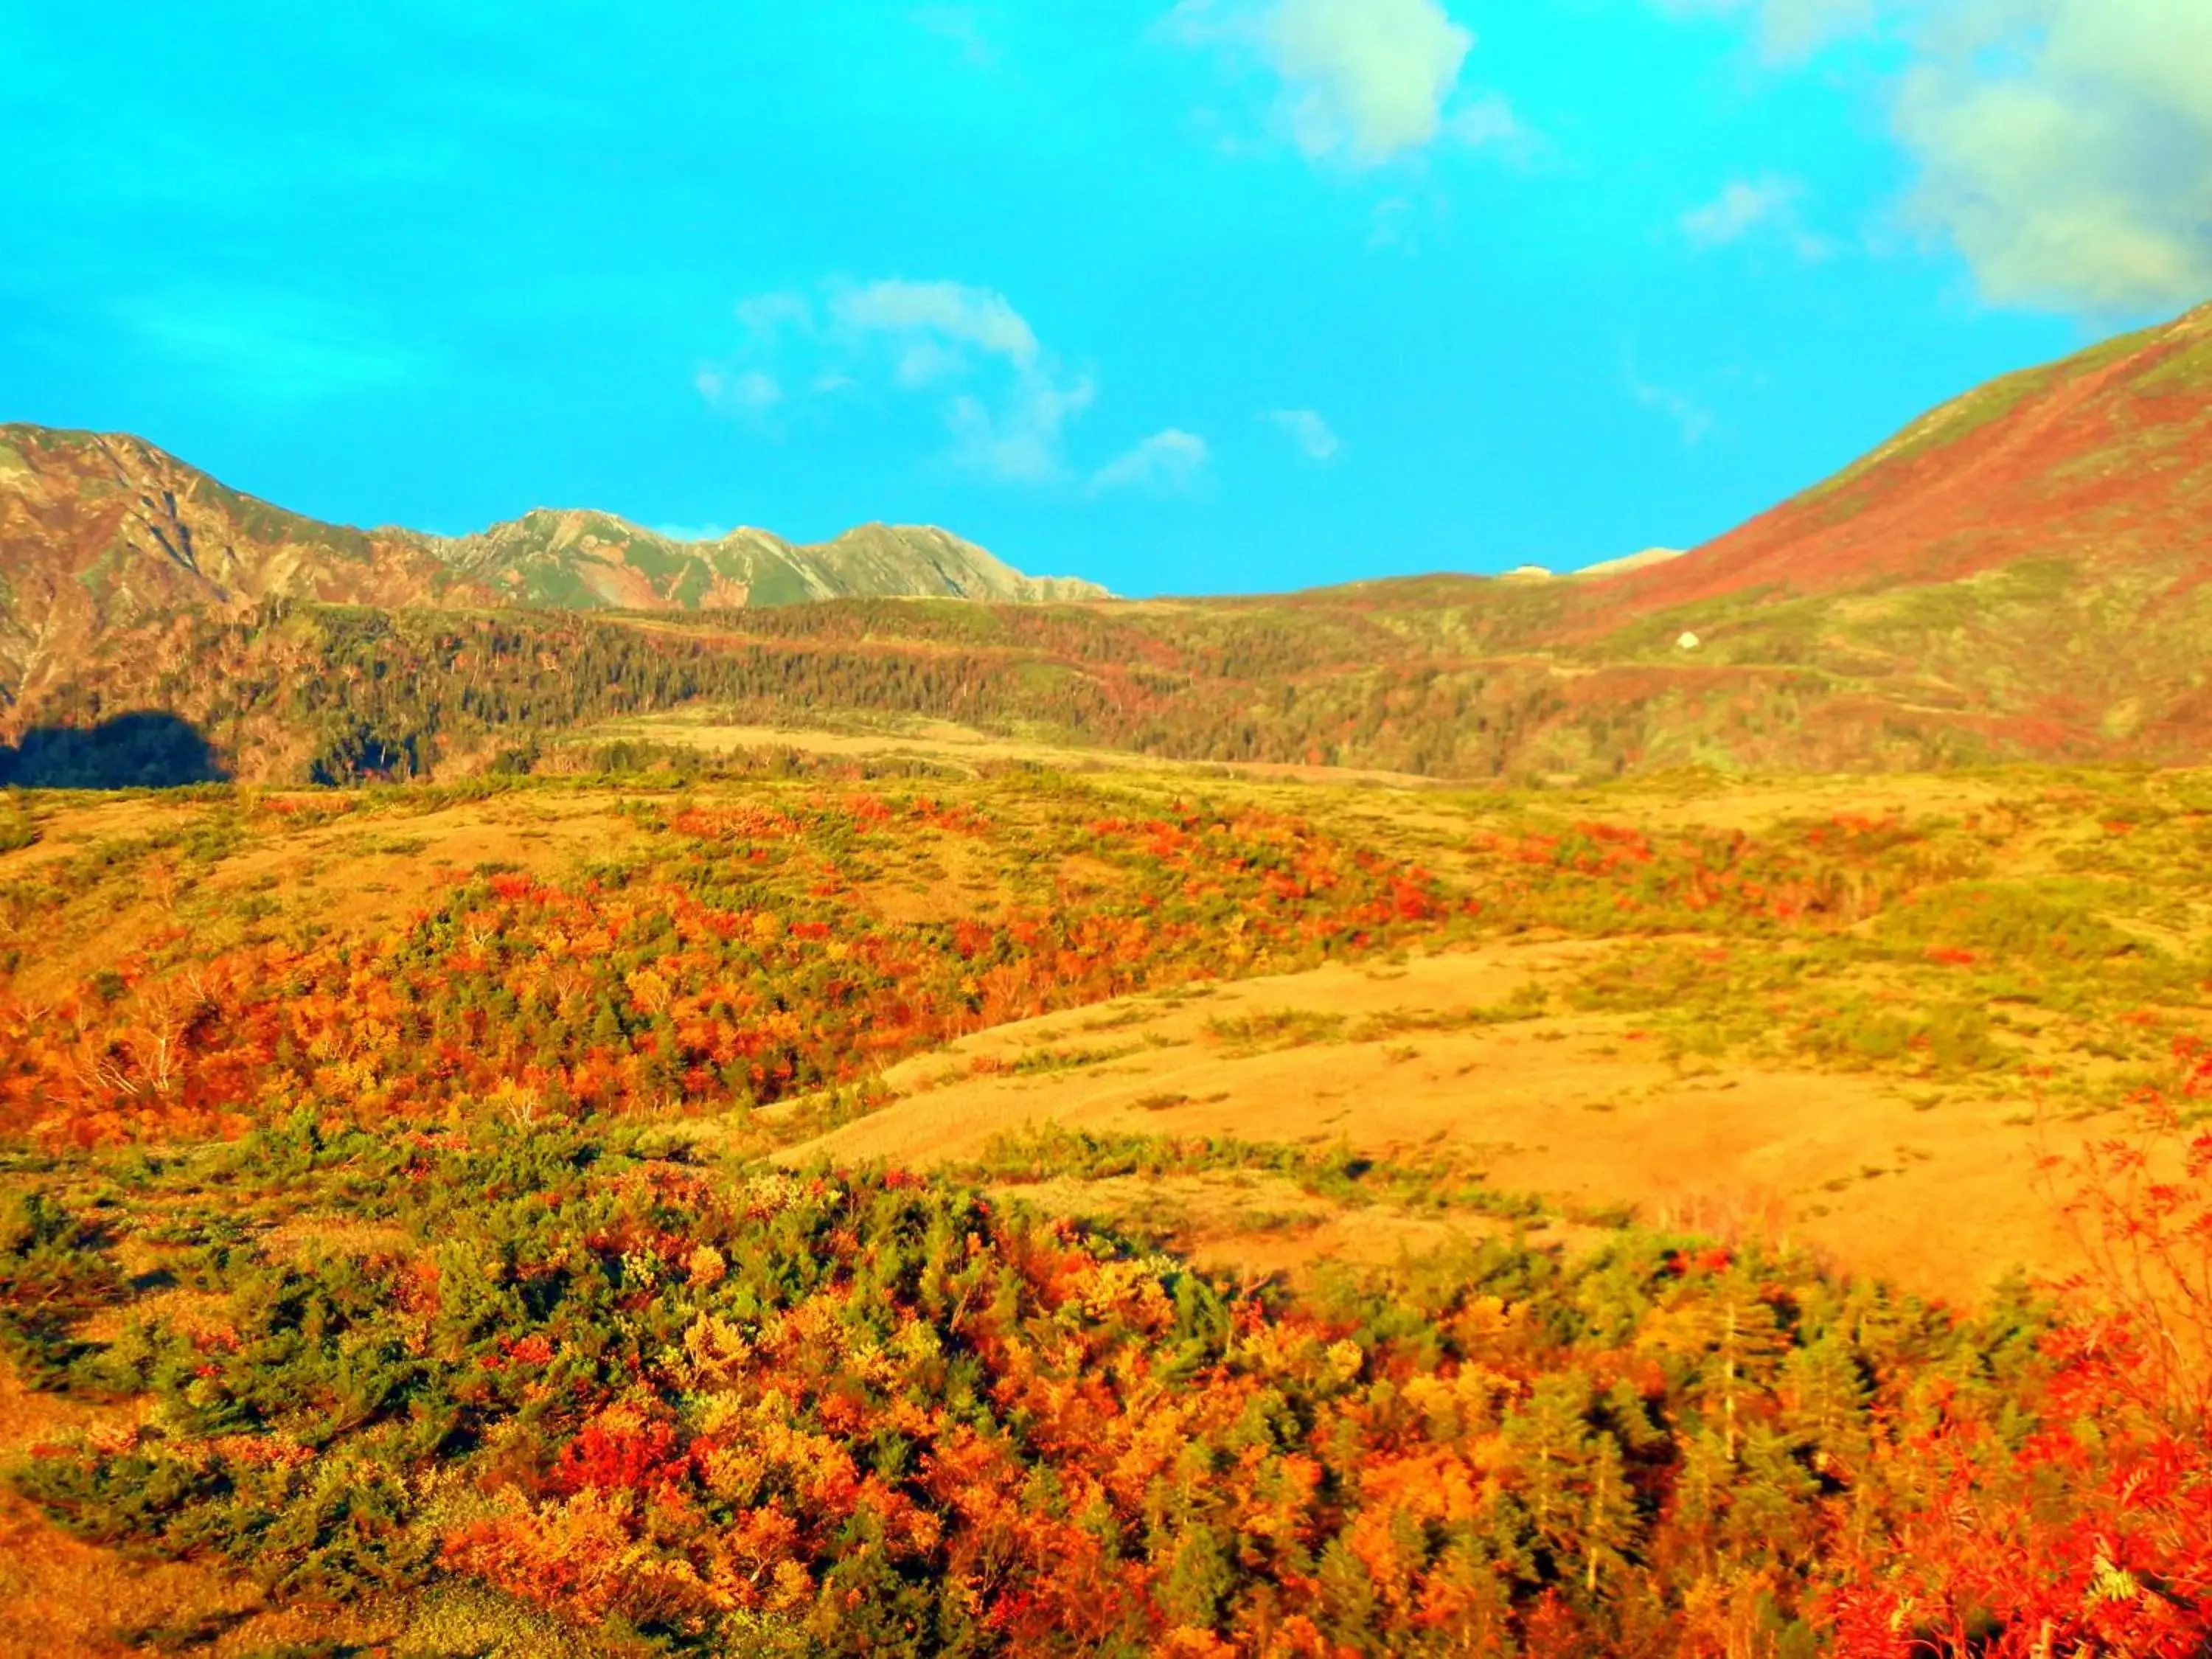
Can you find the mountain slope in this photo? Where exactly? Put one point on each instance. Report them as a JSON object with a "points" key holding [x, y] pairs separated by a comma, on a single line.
{"points": [[589, 560], [2105, 458], [2027, 566], [103, 532], [100, 531]]}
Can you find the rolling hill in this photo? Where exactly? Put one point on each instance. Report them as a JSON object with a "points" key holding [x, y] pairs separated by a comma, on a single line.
{"points": [[553, 1218]]}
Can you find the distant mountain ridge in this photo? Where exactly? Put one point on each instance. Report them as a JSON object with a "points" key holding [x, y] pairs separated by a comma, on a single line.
{"points": [[102, 531], [2025, 573], [571, 559]]}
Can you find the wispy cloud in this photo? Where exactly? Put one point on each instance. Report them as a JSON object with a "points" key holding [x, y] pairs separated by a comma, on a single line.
{"points": [[946, 336], [1745, 207], [1022, 438], [1792, 29], [270, 347], [960, 27], [1169, 462], [692, 532], [768, 316], [748, 392], [1306, 430], [1692, 420], [1490, 120], [1362, 81], [1006, 402]]}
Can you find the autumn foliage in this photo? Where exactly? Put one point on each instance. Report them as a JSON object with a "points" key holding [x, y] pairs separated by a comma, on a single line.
{"points": [[734, 961], [434, 1264], [863, 1412]]}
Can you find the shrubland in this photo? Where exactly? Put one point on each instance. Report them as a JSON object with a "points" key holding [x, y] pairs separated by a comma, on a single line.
{"points": [[453, 1257]]}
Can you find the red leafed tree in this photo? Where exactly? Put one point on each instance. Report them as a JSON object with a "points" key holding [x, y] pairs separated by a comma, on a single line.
{"points": [[2091, 1535]]}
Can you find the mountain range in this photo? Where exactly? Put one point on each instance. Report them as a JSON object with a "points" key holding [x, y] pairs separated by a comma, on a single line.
{"points": [[2022, 573], [99, 533]]}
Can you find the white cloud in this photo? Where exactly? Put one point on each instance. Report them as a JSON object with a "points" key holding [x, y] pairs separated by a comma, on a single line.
{"points": [[949, 314], [1741, 207], [1363, 80], [2066, 149], [1006, 402], [692, 532], [1367, 75], [1747, 206], [2063, 147], [749, 392], [1022, 440], [1169, 463], [1306, 428]]}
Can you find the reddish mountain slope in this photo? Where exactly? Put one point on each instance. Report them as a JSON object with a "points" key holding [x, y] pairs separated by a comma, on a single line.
{"points": [[99, 532], [2105, 458]]}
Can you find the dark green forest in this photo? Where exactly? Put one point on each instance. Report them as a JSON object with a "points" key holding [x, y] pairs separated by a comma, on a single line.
{"points": [[329, 695]]}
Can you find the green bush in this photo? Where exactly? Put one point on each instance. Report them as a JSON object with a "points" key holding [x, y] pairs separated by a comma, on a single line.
{"points": [[18, 828], [2008, 919]]}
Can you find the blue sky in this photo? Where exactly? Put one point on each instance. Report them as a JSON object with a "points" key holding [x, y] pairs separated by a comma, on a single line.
{"points": [[1223, 294]]}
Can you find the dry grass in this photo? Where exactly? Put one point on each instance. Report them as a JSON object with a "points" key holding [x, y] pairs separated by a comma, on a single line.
{"points": [[1578, 1108], [960, 749]]}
